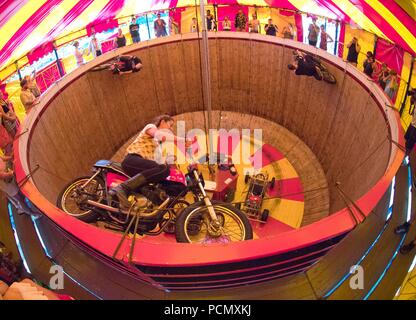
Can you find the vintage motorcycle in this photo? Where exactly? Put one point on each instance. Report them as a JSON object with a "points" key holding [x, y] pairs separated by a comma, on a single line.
{"points": [[158, 207]]}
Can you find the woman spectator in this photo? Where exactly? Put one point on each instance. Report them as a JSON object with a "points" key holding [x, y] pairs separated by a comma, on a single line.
{"points": [[325, 38], [33, 87], [384, 74], [8, 117], [194, 25], [313, 32], [288, 31], [254, 24], [240, 21], [26, 96], [226, 24], [160, 27], [78, 54], [173, 26], [353, 51], [270, 28], [369, 64], [120, 39], [391, 84]]}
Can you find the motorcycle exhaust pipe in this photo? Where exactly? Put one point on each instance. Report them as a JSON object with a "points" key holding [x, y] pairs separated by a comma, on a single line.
{"points": [[132, 212]]}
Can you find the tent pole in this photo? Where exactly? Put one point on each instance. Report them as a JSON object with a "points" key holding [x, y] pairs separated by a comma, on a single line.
{"points": [[206, 76]]}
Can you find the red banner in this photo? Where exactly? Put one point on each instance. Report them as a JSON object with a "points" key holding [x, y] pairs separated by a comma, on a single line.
{"points": [[48, 76], [40, 52]]}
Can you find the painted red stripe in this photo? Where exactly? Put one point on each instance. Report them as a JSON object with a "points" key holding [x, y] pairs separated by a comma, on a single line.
{"points": [[404, 16], [382, 24], [8, 8], [289, 189], [74, 13], [377, 19], [227, 143], [285, 4], [334, 9], [264, 156], [27, 28], [111, 9]]}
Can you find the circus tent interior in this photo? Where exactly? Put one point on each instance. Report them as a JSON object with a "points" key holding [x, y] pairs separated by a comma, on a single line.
{"points": [[334, 158]]}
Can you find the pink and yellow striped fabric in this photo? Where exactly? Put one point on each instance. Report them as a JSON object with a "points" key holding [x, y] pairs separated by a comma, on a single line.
{"points": [[27, 24]]}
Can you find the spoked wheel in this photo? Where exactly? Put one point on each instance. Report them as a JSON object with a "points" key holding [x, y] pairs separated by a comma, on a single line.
{"points": [[72, 199], [328, 77], [195, 226], [176, 210]]}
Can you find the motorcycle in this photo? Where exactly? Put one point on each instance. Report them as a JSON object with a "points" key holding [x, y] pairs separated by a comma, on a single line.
{"points": [[158, 207], [326, 75]]}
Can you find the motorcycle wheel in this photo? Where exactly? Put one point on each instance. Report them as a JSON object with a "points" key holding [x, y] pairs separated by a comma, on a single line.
{"points": [[328, 77], [192, 224], [176, 210], [69, 200]]}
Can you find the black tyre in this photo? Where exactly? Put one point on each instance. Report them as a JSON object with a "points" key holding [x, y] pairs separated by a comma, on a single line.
{"points": [[192, 224], [328, 77], [264, 215], [176, 210], [72, 199], [246, 178]]}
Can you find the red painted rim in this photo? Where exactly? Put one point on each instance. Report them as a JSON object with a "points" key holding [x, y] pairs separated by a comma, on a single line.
{"points": [[179, 254]]}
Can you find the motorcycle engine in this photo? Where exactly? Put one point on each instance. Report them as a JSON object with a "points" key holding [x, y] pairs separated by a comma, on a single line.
{"points": [[154, 195]]}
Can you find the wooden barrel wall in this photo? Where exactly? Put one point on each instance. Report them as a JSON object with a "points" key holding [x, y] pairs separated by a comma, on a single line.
{"points": [[98, 112]]}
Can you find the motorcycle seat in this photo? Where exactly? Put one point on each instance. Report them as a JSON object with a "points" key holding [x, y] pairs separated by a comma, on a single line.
{"points": [[110, 164]]}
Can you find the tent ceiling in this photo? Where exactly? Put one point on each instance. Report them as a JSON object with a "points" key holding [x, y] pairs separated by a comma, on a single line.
{"points": [[25, 24]]}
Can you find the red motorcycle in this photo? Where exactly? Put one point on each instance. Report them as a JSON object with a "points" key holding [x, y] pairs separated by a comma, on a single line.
{"points": [[158, 207]]}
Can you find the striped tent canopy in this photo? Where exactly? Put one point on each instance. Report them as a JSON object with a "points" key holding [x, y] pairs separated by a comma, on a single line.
{"points": [[26, 24]]}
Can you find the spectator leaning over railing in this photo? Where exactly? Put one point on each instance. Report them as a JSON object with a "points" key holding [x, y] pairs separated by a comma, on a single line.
{"points": [[31, 80], [78, 55], [8, 116], [226, 24], [288, 31], [134, 30], [383, 76], [27, 97], [410, 135], [369, 64], [210, 21], [194, 25], [120, 39], [353, 50], [270, 28], [313, 32], [391, 84], [240, 21], [325, 38], [160, 27], [173, 26], [95, 47], [9, 186], [254, 25]]}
